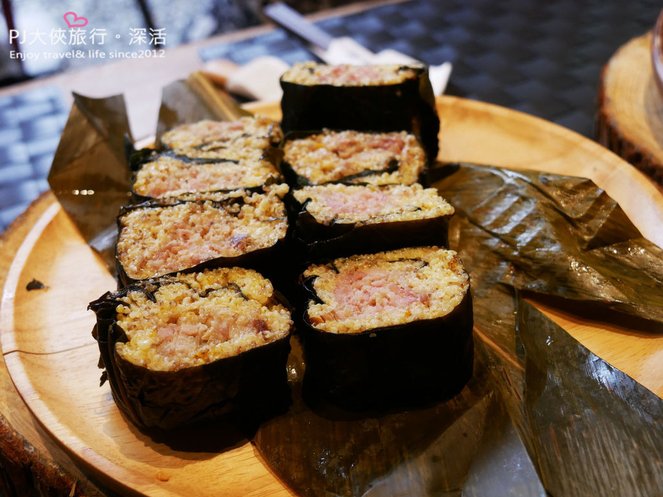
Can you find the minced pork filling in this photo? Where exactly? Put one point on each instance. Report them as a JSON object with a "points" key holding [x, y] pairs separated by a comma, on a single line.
{"points": [[197, 318], [160, 240], [372, 204], [361, 293], [168, 176], [335, 155]]}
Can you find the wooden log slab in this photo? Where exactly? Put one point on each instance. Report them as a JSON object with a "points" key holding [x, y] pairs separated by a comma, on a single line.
{"points": [[630, 108]]}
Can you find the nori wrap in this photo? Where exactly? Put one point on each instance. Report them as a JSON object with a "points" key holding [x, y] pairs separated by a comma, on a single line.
{"points": [[361, 102], [190, 233], [337, 220], [388, 330], [186, 348]]}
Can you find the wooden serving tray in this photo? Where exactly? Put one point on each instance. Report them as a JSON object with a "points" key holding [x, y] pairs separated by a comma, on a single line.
{"points": [[630, 105], [52, 357]]}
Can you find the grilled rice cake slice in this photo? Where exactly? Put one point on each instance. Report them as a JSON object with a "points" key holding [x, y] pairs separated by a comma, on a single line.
{"points": [[163, 175], [243, 139], [177, 234], [367, 292], [367, 98], [388, 330], [193, 319], [336, 219], [354, 157], [188, 347]]}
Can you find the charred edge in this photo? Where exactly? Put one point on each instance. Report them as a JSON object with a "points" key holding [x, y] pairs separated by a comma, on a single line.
{"points": [[419, 262], [225, 204], [151, 286], [392, 167], [261, 189], [308, 230], [307, 284], [34, 284], [258, 260]]}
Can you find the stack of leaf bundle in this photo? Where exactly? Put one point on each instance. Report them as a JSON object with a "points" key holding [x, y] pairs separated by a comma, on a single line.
{"points": [[382, 298], [357, 141], [196, 332], [210, 196]]}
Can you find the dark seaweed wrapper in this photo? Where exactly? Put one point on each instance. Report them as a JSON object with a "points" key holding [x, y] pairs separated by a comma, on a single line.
{"points": [[390, 367], [252, 384], [408, 106], [321, 240], [90, 174]]}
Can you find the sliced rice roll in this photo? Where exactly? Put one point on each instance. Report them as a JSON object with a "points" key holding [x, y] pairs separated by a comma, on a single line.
{"points": [[247, 138], [338, 219], [184, 348], [186, 233], [353, 157], [161, 175], [367, 98], [388, 329]]}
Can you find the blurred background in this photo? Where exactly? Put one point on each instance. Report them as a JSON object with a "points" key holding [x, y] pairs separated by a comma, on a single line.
{"points": [[183, 21], [543, 58]]}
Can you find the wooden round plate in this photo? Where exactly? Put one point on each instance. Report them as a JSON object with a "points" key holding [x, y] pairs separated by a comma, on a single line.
{"points": [[52, 357]]}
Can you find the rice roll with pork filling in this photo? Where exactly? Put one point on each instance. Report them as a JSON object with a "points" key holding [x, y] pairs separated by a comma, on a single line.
{"points": [[242, 139], [353, 157], [165, 236], [366, 98], [183, 348], [388, 329], [162, 175], [337, 219]]}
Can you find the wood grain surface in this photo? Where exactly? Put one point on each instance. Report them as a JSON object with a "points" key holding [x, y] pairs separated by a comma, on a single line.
{"points": [[630, 113], [52, 358]]}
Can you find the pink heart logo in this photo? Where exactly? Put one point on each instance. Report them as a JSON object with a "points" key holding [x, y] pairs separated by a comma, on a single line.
{"points": [[74, 21]]}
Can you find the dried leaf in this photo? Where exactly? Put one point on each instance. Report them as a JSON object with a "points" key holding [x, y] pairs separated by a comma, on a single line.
{"points": [[560, 236]]}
